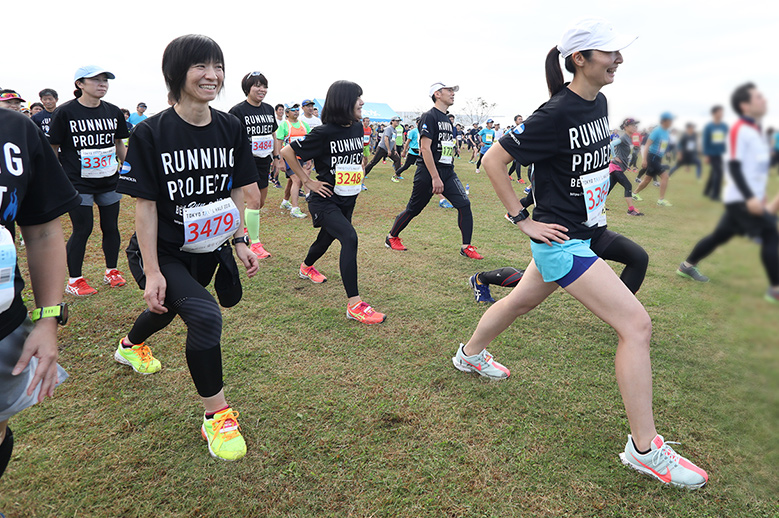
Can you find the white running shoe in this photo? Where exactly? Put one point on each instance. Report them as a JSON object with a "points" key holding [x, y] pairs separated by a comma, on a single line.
{"points": [[664, 464]]}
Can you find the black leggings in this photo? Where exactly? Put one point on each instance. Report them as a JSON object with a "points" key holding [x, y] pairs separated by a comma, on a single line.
{"points": [[81, 218], [380, 154], [410, 160], [616, 247], [516, 167], [714, 184], [737, 221], [478, 164], [334, 216], [423, 191], [621, 179], [507, 277], [186, 296]]}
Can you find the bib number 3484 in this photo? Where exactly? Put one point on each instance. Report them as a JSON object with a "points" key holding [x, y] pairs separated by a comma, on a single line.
{"points": [[596, 190]]}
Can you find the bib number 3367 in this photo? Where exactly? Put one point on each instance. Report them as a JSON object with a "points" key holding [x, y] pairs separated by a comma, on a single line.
{"points": [[596, 190]]}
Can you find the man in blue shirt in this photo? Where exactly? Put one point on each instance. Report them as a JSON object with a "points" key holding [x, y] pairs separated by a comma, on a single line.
{"points": [[714, 135], [138, 116], [652, 159], [487, 136]]}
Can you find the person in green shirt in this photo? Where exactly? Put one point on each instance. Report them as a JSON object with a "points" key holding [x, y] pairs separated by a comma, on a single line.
{"points": [[289, 131]]}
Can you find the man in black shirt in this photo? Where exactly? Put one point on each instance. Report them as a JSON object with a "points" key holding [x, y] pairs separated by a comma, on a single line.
{"points": [[435, 172], [688, 151]]}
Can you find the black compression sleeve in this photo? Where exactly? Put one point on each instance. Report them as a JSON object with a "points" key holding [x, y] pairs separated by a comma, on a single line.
{"points": [[738, 178]]}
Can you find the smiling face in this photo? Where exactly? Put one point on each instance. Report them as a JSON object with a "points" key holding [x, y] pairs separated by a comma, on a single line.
{"points": [[49, 102], [280, 112], [95, 87], [600, 68], [366, 121], [203, 82], [256, 94], [358, 104]]}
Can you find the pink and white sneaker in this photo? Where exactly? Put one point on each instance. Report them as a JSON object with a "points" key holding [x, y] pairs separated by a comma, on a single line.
{"points": [[664, 464], [482, 364]]}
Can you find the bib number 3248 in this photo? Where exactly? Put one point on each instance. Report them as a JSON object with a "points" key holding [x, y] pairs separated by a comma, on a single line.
{"points": [[596, 190], [348, 179]]}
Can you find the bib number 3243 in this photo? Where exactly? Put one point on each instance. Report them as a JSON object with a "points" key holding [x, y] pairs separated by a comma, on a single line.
{"points": [[207, 227], [596, 190], [348, 179]]}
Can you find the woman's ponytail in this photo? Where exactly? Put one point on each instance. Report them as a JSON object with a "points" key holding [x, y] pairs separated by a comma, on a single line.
{"points": [[554, 74]]}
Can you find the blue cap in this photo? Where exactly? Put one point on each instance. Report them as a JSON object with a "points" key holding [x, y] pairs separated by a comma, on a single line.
{"points": [[490, 120], [667, 116], [92, 71], [306, 102]]}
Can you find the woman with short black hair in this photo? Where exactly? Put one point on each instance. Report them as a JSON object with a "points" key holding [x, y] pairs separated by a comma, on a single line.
{"points": [[186, 167]]}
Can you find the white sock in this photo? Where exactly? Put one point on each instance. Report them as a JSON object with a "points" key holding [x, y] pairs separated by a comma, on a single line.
{"points": [[71, 280]]}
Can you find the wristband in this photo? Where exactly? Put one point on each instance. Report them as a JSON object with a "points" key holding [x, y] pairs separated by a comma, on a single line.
{"points": [[60, 312]]}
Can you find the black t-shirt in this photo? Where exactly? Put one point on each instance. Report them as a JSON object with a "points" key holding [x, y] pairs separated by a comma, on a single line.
{"points": [[434, 124], [566, 138], [688, 145], [259, 121], [33, 190], [87, 140], [43, 120], [474, 134], [180, 166], [329, 145]]}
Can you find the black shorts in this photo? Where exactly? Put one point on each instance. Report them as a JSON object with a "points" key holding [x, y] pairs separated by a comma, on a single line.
{"points": [[322, 208], [655, 166], [742, 222], [263, 169]]}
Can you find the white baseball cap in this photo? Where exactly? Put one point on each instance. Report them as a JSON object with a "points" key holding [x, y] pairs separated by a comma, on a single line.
{"points": [[437, 86], [592, 34]]}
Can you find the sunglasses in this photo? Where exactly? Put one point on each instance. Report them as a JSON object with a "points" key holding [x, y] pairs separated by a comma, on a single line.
{"points": [[254, 74], [294, 109], [8, 96]]}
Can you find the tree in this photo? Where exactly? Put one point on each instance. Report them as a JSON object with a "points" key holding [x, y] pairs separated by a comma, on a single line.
{"points": [[477, 110]]}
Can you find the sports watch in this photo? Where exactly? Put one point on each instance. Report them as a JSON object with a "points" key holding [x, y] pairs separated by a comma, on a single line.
{"points": [[519, 217], [60, 312], [243, 239]]}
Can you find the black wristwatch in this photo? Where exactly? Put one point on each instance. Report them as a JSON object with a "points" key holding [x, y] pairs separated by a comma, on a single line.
{"points": [[60, 312], [276, 157], [519, 217], [243, 239]]}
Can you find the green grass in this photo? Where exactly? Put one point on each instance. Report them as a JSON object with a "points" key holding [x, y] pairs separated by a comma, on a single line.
{"points": [[349, 420]]}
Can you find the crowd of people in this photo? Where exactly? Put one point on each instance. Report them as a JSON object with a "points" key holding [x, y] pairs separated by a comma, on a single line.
{"points": [[199, 178]]}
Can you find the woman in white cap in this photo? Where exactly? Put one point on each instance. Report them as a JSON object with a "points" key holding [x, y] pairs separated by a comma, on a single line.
{"points": [[567, 139], [88, 132]]}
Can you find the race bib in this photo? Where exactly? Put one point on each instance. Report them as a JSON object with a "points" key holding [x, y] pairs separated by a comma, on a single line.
{"points": [[366, 140], [690, 145], [262, 145], [717, 137], [596, 190], [98, 163], [207, 227], [348, 179], [297, 137], [447, 152], [663, 145], [636, 140], [488, 138], [7, 268]]}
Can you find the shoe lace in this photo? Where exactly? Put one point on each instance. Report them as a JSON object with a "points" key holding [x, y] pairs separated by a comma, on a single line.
{"points": [[143, 352], [226, 423], [362, 307], [312, 272], [666, 454]]}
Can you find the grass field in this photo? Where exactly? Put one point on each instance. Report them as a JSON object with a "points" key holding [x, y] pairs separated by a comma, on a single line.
{"points": [[343, 419]]}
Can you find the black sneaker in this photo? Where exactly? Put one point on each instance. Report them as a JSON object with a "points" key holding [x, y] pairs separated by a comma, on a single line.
{"points": [[691, 272]]}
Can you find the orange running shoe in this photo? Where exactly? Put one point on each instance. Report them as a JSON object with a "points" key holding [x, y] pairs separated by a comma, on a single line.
{"points": [[80, 288], [260, 251], [363, 312], [312, 274]]}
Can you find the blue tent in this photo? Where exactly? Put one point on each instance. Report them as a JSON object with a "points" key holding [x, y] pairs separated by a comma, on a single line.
{"points": [[378, 112]]}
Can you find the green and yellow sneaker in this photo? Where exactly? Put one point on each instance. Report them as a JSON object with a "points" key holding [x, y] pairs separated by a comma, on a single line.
{"points": [[138, 357], [223, 435]]}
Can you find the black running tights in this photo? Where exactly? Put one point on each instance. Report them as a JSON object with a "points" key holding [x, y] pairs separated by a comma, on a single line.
{"points": [[82, 219]]}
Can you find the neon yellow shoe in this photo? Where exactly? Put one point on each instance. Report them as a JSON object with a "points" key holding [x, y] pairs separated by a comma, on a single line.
{"points": [[223, 435], [138, 357]]}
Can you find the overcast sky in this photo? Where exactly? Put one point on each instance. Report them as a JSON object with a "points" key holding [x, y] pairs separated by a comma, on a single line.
{"points": [[689, 55]]}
